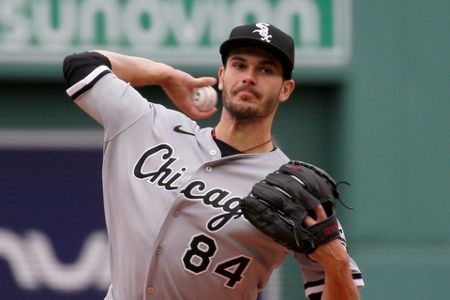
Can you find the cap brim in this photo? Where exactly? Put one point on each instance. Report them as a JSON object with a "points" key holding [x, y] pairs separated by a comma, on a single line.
{"points": [[235, 43]]}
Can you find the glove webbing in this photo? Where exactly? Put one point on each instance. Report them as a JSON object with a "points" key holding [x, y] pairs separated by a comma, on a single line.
{"points": [[326, 176]]}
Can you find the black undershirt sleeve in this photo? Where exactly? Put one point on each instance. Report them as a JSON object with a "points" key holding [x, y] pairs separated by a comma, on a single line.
{"points": [[77, 66]]}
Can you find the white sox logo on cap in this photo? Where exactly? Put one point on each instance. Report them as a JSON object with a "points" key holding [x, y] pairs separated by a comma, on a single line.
{"points": [[265, 36], [263, 31]]}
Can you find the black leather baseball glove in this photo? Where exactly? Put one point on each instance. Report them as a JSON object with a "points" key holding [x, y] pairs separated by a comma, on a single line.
{"points": [[278, 205]]}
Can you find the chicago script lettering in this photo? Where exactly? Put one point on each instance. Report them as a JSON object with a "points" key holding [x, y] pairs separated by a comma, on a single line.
{"points": [[164, 176], [217, 198]]}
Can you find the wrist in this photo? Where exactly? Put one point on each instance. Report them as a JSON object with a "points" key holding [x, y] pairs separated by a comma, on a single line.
{"points": [[331, 255], [336, 263], [166, 75]]}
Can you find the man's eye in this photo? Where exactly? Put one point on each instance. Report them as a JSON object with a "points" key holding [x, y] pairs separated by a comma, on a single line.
{"points": [[266, 70]]}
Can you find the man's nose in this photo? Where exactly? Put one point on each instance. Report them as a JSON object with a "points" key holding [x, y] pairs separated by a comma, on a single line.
{"points": [[249, 76]]}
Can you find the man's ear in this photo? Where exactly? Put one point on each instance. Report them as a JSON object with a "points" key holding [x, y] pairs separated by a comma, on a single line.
{"points": [[221, 73], [286, 90]]}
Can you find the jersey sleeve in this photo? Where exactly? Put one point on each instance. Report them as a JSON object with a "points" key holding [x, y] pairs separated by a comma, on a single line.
{"points": [[313, 273], [110, 101]]}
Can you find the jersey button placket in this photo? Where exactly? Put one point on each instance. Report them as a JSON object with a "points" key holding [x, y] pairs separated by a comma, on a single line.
{"points": [[150, 290]]}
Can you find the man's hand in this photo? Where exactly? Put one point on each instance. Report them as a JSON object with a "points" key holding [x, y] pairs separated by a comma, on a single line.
{"points": [[179, 85], [333, 257], [332, 253]]}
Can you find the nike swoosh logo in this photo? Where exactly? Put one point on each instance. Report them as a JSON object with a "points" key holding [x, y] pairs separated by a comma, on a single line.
{"points": [[179, 130]]}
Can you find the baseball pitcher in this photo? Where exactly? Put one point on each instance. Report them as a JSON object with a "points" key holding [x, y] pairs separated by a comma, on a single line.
{"points": [[173, 191]]}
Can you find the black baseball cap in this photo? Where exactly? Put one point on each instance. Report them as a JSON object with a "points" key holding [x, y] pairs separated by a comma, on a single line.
{"points": [[265, 36]]}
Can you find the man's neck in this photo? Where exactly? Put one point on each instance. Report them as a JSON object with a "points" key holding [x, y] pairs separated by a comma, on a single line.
{"points": [[249, 136]]}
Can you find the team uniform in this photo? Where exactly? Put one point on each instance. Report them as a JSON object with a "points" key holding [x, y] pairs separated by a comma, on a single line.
{"points": [[171, 199]]}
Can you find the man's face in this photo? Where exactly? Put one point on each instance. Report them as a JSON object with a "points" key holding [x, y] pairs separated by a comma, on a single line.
{"points": [[252, 83]]}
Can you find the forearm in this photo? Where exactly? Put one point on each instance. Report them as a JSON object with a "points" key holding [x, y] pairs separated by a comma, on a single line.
{"points": [[177, 84], [138, 71], [339, 283]]}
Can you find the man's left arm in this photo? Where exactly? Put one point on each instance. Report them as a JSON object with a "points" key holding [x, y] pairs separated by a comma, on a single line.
{"points": [[334, 259], [339, 284]]}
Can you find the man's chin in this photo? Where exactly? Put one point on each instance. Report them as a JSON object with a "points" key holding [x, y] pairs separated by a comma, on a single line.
{"points": [[243, 111]]}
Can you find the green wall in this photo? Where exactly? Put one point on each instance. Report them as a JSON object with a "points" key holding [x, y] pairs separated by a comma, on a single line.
{"points": [[397, 147]]}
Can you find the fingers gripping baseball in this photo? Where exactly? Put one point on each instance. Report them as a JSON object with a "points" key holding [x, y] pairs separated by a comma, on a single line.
{"points": [[179, 87]]}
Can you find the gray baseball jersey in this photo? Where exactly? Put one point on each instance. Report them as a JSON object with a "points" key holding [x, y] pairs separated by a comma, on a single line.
{"points": [[171, 203]]}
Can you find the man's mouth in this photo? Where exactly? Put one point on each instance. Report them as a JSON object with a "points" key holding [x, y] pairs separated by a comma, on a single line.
{"points": [[246, 93]]}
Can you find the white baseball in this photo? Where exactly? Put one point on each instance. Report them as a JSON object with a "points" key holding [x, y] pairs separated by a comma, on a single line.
{"points": [[204, 98]]}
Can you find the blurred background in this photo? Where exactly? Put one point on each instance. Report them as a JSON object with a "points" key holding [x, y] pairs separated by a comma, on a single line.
{"points": [[372, 107]]}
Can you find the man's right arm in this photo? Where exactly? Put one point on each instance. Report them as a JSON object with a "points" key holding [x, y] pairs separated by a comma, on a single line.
{"points": [[139, 71]]}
